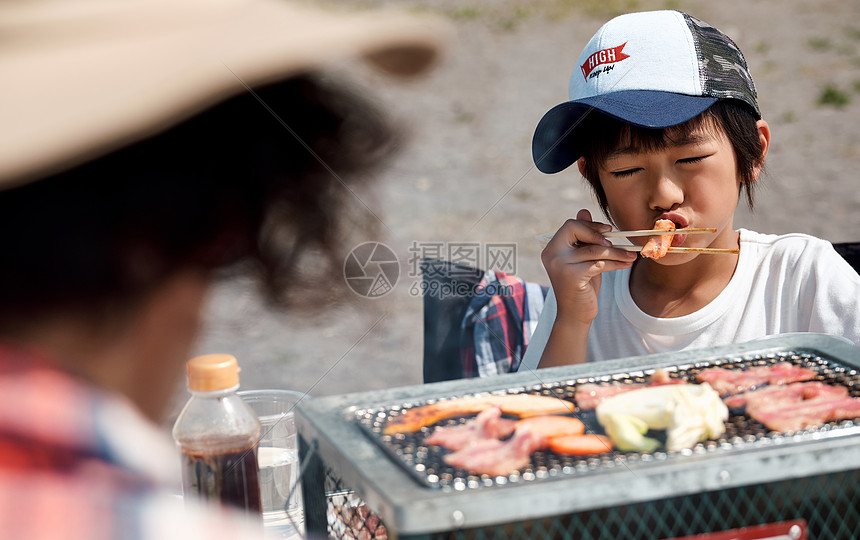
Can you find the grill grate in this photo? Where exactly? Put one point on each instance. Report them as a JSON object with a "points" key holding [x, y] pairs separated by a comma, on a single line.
{"points": [[425, 464]]}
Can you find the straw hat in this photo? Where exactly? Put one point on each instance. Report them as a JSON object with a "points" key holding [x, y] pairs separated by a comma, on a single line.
{"points": [[84, 77]]}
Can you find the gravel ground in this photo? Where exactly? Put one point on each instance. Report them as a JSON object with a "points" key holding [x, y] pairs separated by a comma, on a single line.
{"points": [[466, 174]]}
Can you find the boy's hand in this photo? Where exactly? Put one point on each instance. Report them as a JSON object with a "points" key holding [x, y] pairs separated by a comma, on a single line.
{"points": [[574, 259]]}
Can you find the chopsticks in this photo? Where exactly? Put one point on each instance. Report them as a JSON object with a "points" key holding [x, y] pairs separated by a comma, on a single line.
{"points": [[652, 232], [684, 249], [546, 237]]}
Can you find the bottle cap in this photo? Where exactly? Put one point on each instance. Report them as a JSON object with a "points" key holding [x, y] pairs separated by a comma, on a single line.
{"points": [[212, 372]]}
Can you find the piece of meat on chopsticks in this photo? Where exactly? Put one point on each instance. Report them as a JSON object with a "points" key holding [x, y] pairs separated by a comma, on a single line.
{"points": [[734, 381], [657, 246], [498, 458], [489, 424], [521, 405]]}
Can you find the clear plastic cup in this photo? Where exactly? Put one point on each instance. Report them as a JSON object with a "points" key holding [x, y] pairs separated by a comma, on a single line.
{"points": [[278, 457]]}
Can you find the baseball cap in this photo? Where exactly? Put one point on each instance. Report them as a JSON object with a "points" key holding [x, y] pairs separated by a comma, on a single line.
{"points": [[82, 78], [652, 69]]}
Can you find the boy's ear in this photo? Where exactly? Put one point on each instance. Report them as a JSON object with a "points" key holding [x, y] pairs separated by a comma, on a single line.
{"points": [[764, 140], [581, 164]]}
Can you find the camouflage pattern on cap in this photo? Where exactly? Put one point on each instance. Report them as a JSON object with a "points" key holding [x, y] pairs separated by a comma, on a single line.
{"points": [[722, 66]]}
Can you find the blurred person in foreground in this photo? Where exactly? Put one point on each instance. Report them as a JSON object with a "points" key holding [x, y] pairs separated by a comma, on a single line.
{"points": [[137, 165]]}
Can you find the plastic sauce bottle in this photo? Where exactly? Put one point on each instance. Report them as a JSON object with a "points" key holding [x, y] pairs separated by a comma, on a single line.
{"points": [[217, 434]]}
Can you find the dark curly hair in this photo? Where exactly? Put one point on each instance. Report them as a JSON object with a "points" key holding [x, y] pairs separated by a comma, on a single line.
{"points": [[261, 184], [606, 133]]}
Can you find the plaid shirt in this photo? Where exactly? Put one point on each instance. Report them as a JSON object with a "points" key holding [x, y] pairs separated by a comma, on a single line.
{"points": [[78, 463], [498, 323]]}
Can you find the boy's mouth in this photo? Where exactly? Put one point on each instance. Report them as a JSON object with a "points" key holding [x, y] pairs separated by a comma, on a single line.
{"points": [[678, 240], [680, 223]]}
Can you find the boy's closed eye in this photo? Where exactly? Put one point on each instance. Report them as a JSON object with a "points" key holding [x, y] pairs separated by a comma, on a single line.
{"points": [[625, 173], [695, 159]]}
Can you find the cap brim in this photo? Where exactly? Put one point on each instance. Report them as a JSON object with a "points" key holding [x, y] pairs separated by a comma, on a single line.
{"points": [[556, 143], [86, 77]]}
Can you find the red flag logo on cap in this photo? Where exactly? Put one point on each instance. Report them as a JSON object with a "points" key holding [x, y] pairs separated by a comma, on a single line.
{"points": [[605, 56]]}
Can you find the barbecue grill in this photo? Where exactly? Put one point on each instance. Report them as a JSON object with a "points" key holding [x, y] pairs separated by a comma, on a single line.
{"points": [[801, 484]]}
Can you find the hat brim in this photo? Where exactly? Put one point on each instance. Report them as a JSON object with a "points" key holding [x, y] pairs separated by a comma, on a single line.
{"points": [[83, 78], [556, 143]]}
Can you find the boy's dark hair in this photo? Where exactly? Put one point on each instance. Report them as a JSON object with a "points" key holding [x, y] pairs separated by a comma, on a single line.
{"points": [[235, 188], [734, 119]]}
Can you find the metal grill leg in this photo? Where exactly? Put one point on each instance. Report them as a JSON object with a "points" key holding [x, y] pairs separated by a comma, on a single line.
{"points": [[313, 490]]}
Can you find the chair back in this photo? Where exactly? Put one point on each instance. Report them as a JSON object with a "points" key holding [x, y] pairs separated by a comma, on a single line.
{"points": [[447, 289], [477, 323], [850, 251]]}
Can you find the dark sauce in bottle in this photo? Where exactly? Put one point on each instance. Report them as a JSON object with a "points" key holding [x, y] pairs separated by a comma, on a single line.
{"points": [[229, 476]]}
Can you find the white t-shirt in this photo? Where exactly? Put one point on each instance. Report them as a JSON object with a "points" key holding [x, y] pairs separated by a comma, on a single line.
{"points": [[782, 284]]}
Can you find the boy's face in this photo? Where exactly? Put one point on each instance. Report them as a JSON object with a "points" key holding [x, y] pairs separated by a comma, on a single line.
{"points": [[692, 182]]}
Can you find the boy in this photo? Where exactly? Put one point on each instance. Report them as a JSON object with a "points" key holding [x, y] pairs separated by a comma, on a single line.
{"points": [[664, 123]]}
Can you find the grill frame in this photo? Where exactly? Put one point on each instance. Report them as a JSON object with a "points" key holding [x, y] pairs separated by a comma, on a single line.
{"points": [[425, 464], [407, 507]]}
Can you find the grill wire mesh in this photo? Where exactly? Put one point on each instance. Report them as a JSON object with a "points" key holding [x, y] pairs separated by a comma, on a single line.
{"points": [[425, 463], [342, 514], [829, 503]]}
